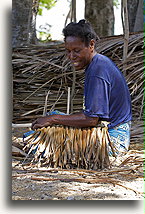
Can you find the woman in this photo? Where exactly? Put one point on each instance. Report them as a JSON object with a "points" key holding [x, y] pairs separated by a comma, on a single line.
{"points": [[106, 95]]}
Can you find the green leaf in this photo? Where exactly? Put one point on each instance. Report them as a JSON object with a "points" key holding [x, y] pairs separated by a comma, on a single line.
{"points": [[48, 4], [40, 12], [116, 3]]}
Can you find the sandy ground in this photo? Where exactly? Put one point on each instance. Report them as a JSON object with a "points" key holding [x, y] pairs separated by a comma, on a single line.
{"points": [[117, 183]]}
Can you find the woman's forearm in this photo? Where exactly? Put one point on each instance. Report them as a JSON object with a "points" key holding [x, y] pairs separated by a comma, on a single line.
{"points": [[75, 120]]}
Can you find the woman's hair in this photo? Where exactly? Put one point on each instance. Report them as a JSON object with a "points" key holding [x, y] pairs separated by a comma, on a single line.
{"points": [[82, 29]]}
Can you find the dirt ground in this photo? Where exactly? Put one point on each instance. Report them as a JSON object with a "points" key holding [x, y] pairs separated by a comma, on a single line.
{"points": [[120, 182]]}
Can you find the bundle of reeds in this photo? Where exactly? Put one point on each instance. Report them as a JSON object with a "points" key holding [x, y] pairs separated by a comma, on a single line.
{"points": [[67, 147]]}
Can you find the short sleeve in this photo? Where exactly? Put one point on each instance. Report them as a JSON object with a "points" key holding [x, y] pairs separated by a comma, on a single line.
{"points": [[97, 95]]}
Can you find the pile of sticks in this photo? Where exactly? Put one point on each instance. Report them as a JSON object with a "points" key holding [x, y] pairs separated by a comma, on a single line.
{"points": [[39, 71], [44, 71]]}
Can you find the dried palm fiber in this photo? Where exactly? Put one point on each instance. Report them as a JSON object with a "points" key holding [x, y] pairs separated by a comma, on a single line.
{"points": [[67, 147]]}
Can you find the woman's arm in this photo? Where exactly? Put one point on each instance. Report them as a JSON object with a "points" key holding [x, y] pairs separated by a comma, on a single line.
{"points": [[75, 120]]}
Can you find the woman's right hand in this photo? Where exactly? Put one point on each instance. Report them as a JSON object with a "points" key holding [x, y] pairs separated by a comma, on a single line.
{"points": [[41, 122]]}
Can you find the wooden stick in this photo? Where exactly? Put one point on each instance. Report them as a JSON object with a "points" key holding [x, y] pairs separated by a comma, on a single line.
{"points": [[45, 106], [73, 88], [26, 125], [68, 100]]}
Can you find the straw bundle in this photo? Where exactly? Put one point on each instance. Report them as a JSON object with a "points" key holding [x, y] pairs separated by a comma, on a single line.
{"points": [[68, 147]]}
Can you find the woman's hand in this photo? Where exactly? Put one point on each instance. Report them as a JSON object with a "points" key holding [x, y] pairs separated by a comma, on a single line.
{"points": [[41, 122]]}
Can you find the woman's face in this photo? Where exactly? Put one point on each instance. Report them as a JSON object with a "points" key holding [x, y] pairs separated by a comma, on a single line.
{"points": [[79, 54]]}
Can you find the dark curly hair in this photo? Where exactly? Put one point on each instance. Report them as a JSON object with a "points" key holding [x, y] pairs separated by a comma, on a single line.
{"points": [[82, 29]]}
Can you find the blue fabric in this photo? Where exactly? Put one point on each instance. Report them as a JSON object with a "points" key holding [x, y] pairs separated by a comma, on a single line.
{"points": [[27, 134], [120, 138], [55, 112], [106, 93]]}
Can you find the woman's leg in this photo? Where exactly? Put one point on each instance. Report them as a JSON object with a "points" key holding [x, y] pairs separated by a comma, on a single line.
{"points": [[120, 138]]}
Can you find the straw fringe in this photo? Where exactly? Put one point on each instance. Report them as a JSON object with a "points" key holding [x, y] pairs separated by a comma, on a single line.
{"points": [[67, 147]]}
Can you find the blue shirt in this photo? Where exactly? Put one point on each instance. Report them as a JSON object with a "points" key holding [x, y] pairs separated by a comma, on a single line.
{"points": [[106, 92]]}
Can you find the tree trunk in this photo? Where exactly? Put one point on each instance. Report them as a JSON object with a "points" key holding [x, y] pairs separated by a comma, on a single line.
{"points": [[138, 26], [100, 14], [32, 38], [135, 13], [71, 16], [23, 23], [125, 31]]}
